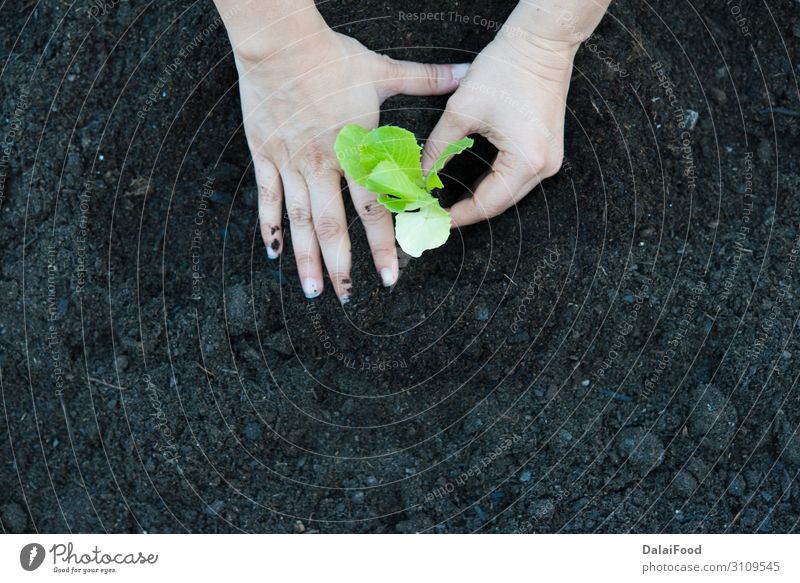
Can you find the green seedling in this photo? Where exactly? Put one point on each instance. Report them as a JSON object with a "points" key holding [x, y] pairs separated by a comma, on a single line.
{"points": [[388, 162]]}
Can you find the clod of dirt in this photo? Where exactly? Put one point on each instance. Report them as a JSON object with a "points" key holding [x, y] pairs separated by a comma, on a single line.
{"points": [[643, 449], [684, 483], [15, 519], [713, 422], [789, 444], [543, 509], [520, 337], [279, 342], [239, 312], [252, 431]]}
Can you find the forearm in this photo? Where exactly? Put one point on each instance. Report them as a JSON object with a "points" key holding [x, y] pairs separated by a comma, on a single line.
{"points": [[555, 24], [258, 28]]}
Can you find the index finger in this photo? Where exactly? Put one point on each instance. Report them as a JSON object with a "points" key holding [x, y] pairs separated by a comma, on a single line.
{"points": [[508, 182]]}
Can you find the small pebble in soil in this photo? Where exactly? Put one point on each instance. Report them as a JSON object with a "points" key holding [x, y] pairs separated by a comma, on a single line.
{"points": [[497, 496], [473, 425], [712, 421], [643, 449], [479, 512], [737, 486], [215, 507], [690, 119], [684, 483], [519, 337], [481, 313], [525, 476], [647, 232], [252, 431], [543, 509]]}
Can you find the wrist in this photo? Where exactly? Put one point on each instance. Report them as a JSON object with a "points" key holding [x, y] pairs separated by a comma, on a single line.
{"points": [[546, 57], [559, 27], [298, 32]]}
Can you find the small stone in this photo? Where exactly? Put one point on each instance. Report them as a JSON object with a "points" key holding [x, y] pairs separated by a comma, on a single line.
{"points": [[684, 483], [215, 507], [299, 527], [481, 313], [279, 342], [472, 425], [714, 419], [643, 449], [357, 497], [15, 519], [719, 95], [239, 313], [690, 119], [525, 476], [647, 232], [519, 337], [543, 509], [252, 431], [122, 362], [348, 407], [737, 486]]}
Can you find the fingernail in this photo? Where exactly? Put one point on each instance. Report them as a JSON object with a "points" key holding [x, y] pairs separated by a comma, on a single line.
{"points": [[460, 71], [272, 253], [310, 289], [387, 277]]}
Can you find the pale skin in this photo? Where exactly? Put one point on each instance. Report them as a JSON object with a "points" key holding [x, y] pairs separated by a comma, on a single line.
{"points": [[300, 83]]}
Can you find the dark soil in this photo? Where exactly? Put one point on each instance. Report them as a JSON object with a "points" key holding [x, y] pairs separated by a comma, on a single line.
{"points": [[620, 353]]}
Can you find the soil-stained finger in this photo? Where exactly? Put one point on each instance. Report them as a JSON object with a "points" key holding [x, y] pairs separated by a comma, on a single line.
{"points": [[330, 226], [270, 205], [304, 239]]}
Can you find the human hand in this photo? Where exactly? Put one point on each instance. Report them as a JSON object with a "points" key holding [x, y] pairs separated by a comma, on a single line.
{"points": [[514, 94], [294, 103]]}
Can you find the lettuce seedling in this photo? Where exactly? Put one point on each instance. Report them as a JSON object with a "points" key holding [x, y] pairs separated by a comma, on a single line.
{"points": [[388, 162]]}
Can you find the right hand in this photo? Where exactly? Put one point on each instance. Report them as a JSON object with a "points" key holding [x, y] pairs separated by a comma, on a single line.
{"points": [[294, 102]]}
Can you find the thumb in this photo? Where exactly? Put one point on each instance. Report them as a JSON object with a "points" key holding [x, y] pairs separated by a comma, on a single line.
{"points": [[410, 78]]}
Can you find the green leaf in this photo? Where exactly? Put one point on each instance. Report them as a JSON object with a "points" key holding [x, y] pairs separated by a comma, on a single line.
{"points": [[387, 161], [388, 178], [432, 180], [348, 148], [427, 228], [397, 145]]}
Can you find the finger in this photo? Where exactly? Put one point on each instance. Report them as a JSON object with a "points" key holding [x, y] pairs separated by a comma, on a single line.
{"points": [[508, 182], [270, 205], [380, 232], [451, 127], [304, 241], [410, 78], [330, 226]]}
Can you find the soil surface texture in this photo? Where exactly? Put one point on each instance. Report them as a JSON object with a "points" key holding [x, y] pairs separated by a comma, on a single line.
{"points": [[619, 353]]}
